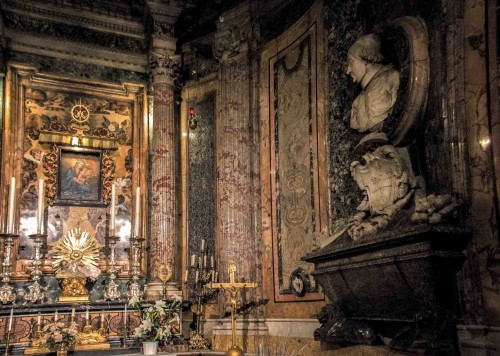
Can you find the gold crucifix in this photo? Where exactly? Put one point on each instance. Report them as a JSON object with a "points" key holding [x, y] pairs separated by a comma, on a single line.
{"points": [[233, 289]]}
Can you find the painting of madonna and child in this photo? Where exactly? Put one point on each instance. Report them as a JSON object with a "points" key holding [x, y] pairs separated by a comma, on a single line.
{"points": [[79, 178]]}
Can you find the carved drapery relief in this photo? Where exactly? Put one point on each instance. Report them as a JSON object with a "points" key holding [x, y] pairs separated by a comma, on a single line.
{"points": [[293, 161], [294, 150]]}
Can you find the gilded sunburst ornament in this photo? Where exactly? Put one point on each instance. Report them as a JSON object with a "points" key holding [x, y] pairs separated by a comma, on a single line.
{"points": [[76, 254]]}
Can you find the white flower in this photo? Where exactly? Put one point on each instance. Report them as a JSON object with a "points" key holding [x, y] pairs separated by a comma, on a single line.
{"points": [[133, 301], [139, 331], [177, 298], [146, 325]]}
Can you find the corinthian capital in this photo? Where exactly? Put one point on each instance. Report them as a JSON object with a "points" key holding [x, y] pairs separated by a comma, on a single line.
{"points": [[164, 68], [235, 33]]}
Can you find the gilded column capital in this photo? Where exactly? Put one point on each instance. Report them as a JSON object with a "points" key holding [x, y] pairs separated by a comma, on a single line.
{"points": [[236, 33]]}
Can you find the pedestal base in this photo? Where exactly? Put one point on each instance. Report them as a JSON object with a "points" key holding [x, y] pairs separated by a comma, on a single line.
{"points": [[101, 346], [154, 290], [80, 299], [36, 350], [398, 285]]}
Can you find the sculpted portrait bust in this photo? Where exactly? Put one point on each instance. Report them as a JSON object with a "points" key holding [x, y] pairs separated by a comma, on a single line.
{"points": [[380, 84]]}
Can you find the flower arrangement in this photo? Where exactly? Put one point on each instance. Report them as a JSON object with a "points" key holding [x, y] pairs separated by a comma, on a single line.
{"points": [[157, 320], [58, 336]]}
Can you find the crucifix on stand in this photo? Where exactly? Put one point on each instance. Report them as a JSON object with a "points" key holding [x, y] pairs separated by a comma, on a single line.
{"points": [[233, 289]]}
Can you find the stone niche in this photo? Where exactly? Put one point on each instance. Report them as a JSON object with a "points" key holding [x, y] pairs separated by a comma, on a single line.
{"points": [[390, 272]]}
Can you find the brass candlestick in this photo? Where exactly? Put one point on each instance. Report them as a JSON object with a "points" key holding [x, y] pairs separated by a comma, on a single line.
{"points": [[134, 290], [202, 276], [36, 293], [7, 294], [111, 292]]}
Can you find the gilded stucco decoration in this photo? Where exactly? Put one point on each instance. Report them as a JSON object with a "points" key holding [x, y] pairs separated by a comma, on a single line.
{"points": [[50, 160]]}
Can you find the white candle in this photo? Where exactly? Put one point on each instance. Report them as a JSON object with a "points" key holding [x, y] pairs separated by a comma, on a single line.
{"points": [[213, 276], [55, 316], [102, 320], [12, 197], [112, 208], [41, 197], [87, 314], [73, 313], [39, 319], [10, 319], [137, 211], [186, 276], [125, 317], [205, 261], [202, 245], [212, 261], [196, 277], [193, 258], [216, 276]]}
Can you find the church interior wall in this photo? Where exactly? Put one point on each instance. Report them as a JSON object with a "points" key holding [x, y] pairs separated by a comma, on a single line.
{"points": [[455, 150]]}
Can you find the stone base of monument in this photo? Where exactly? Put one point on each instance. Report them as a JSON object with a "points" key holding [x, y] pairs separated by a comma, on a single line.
{"points": [[393, 288]]}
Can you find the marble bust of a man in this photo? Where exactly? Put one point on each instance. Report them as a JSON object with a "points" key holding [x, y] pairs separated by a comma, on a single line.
{"points": [[380, 84]]}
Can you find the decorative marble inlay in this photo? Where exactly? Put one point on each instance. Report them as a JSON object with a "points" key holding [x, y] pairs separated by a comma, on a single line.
{"points": [[202, 178]]}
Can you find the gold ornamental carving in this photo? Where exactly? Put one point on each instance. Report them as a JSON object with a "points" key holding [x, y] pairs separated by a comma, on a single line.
{"points": [[108, 176], [50, 163], [75, 257]]}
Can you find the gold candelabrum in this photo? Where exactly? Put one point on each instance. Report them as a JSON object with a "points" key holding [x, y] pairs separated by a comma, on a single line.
{"points": [[7, 293], [134, 289], [111, 292], [36, 293], [200, 274], [92, 337]]}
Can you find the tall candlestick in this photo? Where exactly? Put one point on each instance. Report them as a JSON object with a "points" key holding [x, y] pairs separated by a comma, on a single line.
{"points": [[112, 208], [41, 197], [12, 197], [137, 210], [10, 319]]}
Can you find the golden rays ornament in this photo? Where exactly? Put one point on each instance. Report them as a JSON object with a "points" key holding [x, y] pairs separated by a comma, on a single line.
{"points": [[75, 257]]}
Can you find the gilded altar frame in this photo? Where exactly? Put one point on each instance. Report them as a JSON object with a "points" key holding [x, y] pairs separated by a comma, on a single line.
{"points": [[18, 81]]}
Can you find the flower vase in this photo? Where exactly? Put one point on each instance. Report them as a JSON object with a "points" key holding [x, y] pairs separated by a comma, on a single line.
{"points": [[150, 347], [62, 352]]}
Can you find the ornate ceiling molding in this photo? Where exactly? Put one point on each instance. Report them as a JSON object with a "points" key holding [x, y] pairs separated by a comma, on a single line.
{"points": [[84, 53], [86, 19]]}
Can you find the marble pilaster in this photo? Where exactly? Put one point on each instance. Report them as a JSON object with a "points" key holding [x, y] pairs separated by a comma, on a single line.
{"points": [[236, 145], [164, 68]]}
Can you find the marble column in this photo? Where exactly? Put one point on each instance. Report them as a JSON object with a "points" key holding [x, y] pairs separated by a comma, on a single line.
{"points": [[237, 146], [164, 68]]}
